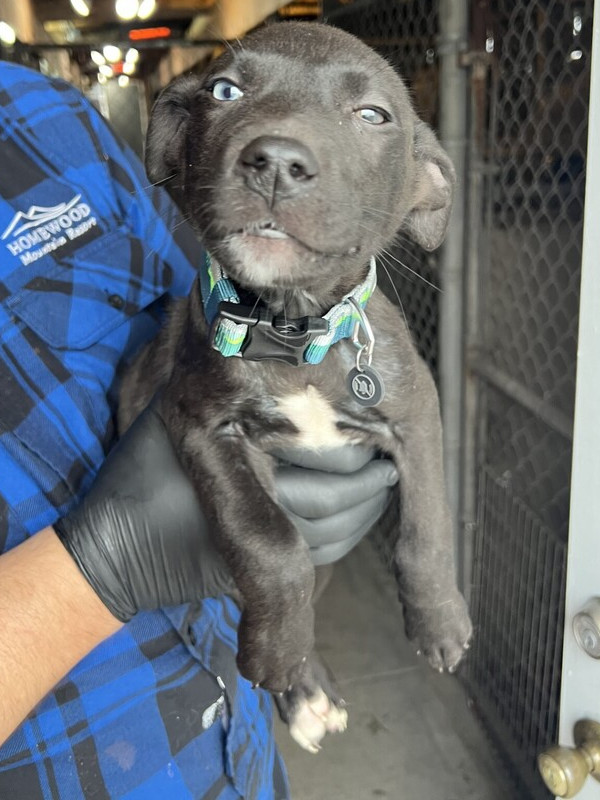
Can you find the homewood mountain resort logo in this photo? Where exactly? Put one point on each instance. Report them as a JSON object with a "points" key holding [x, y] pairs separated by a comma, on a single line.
{"points": [[48, 226]]}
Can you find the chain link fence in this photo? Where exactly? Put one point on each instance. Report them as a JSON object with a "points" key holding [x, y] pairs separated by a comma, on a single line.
{"points": [[528, 125]]}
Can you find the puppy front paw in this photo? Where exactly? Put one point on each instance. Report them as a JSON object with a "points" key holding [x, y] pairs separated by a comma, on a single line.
{"points": [[313, 707], [441, 633]]}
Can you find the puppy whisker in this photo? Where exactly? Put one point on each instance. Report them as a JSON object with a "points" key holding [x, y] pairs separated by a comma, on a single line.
{"points": [[182, 221], [161, 182], [393, 285], [258, 299], [375, 210], [409, 248], [397, 260], [412, 271]]}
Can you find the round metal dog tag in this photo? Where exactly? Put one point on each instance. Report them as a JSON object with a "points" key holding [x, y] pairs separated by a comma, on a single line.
{"points": [[366, 386]]}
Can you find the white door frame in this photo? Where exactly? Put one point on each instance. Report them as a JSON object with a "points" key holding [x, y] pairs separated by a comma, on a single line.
{"points": [[580, 689]]}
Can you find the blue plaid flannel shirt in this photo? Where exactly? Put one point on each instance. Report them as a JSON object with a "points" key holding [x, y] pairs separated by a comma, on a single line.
{"points": [[87, 251]]}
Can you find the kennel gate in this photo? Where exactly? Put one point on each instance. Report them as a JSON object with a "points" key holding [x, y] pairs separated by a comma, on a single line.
{"points": [[527, 64]]}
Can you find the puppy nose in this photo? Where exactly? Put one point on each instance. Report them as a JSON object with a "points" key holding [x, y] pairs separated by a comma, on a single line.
{"points": [[277, 168]]}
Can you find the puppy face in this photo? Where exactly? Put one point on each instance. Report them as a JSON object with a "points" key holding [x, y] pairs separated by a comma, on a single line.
{"points": [[298, 156]]}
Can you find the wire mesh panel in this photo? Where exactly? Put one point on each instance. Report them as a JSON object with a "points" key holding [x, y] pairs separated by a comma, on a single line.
{"points": [[539, 149], [534, 160], [520, 576], [513, 670], [404, 33]]}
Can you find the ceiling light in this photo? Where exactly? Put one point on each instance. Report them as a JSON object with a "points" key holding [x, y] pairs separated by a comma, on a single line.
{"points": [[97, 57], [132, 55], [105, 70], [81, 7], [111, 53], [123, 81], [127, 9], [7, 34], [128, 68], [146, 9], [102, 78]]}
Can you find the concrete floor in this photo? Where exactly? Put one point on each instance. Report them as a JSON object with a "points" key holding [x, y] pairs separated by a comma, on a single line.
{"points": [[410, 734]]}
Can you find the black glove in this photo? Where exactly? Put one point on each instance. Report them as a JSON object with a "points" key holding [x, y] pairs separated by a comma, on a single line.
{"points": [[140, 538], [334, 497]]}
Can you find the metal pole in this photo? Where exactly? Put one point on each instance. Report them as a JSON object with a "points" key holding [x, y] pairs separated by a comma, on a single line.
{"points": [[472, 329], [452, 40]]}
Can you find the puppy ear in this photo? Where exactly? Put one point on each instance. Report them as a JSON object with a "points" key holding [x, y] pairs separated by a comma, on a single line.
{"points": [[165, 137], [433, 191]]}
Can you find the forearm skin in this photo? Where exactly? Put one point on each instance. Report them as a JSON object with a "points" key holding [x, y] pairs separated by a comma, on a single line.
{"points": [[50, 618]]}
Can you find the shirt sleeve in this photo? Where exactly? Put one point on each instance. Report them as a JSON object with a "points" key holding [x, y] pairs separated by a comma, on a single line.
{"points": [[24, 508], [148, 209]]}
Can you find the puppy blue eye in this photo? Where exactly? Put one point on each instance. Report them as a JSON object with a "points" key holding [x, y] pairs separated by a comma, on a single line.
{"points": [[374, 116], [226, 90]]}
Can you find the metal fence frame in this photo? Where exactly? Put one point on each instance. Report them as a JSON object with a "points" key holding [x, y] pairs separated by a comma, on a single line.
{"points": [[452, 43]]}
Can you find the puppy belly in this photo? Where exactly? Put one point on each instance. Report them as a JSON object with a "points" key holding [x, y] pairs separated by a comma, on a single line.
{"points": [[315, 419]]}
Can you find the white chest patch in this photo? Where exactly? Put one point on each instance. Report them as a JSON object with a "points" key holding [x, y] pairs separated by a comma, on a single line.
{"points": [[315, 419]]}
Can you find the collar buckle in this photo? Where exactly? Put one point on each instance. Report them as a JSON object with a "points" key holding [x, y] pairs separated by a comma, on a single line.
{"points": [[268, 336]]}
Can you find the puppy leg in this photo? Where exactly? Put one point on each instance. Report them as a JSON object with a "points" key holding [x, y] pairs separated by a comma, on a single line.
{"points": [[313, 707], [435, 612], [267, 557]]}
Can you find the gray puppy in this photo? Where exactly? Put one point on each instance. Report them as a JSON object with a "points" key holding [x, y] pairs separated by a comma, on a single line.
{"points": [[297, 157]]}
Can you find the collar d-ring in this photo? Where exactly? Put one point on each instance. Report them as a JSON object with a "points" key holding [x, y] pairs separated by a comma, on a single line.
{"points": [[365, 349]]}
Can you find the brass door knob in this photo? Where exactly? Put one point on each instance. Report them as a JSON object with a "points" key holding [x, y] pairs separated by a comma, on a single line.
{"points": [[564, 769]]}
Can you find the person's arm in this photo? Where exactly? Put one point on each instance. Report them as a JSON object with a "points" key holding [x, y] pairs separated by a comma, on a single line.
{"points": [[50, 618]]}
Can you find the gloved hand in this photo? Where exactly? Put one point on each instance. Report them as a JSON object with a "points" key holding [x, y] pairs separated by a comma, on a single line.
{"points": [[334, 497], [140, 538]]}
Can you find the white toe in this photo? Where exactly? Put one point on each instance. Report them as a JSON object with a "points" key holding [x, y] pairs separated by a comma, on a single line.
{"points": [[314, 718]]}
